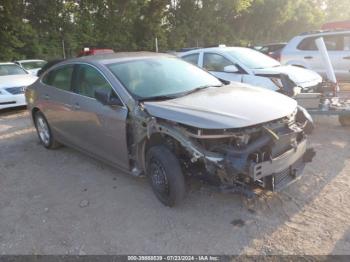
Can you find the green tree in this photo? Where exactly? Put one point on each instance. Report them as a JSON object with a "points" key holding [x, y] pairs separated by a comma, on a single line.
{"points": [[203, 23], [39, 28], [336, 10], [271, 20], [17, 37], [53, 21]]}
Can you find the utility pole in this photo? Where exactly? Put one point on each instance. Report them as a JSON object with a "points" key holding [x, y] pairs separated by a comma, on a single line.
{"points": [[63, 50], [156, 44]]}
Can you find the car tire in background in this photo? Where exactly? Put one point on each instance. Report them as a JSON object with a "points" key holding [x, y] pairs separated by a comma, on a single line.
{"points": [[44, 132], [165, 175]]}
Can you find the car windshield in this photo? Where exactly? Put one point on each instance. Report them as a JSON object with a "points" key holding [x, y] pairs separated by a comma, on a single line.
{"points": [[161, 77], [253, 59], [33, 64], [6, 70]]}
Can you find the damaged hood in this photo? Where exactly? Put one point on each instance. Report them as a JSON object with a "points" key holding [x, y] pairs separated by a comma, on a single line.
{"points": [[231, 106], [301, 76]]}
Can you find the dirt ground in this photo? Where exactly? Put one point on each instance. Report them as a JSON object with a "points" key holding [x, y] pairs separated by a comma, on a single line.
{"points": [[63, 202]]}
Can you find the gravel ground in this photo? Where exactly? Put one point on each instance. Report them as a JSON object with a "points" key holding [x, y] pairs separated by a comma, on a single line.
{"points": [[63, 202]]}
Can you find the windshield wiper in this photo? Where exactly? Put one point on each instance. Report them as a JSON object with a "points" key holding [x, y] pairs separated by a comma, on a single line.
{"points": [[196, 90], [172, 96], [157, 98]]}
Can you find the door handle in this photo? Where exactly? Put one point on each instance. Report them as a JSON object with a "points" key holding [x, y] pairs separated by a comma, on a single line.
{"points": [[347, 57], [76, 106], [308, 57], [46, 97]]}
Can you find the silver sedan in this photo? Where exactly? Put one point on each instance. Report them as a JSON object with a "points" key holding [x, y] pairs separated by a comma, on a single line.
{"points": [[156, 115]]}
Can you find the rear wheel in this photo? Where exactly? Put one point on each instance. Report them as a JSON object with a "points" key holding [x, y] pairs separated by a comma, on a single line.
{"points": [[165, 175], [44, 132]]}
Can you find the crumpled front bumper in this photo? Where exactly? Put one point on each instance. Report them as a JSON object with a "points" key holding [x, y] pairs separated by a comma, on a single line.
{"points": [[283, 170]]}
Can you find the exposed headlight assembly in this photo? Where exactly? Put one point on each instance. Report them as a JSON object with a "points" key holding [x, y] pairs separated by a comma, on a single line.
{"points": [[277, 82], [290, 89], [296, 90], [303, 117]]}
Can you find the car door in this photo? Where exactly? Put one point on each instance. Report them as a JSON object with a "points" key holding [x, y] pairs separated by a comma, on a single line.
{"points": [[335, 47], [309, 55], [55, 101], [99, 129], [215, 64], [343, 63]]}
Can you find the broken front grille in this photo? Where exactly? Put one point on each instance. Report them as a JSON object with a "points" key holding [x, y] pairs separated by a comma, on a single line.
{"points": [[279, 181]]}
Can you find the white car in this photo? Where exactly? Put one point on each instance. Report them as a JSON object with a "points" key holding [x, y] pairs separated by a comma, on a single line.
{"points": [[32, 66], [302, 51], [252, 67], [13, 82]]}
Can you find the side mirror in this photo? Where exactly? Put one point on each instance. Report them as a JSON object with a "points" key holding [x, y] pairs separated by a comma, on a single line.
{"points": [[231, 69], [106, 97]]}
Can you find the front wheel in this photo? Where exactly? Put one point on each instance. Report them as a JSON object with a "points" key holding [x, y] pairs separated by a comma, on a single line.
{"points": [[44, 132], [165, 175]]}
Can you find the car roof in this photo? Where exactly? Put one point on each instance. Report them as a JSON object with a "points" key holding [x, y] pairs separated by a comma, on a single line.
{"points": [[325, 32], [7, 63], [30, 60], [118, 57], [215, 49]]}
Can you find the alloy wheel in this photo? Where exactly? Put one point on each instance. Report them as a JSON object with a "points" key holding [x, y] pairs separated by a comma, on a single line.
{"points": [[43, 130]]}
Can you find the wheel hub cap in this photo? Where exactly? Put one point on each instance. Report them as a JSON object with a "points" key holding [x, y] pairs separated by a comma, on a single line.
{"points": [[43, 130]]}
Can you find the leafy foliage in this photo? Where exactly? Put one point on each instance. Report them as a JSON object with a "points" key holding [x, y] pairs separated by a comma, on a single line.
{"points": [[40, 28]]}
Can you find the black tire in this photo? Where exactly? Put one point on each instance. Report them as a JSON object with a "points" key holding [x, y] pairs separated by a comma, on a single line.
{"points": [[165, 175], [46, 140], [344, 120], [309, 127]]}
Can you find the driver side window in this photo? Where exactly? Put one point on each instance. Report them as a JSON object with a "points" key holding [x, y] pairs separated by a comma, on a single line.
{"points": [[215, 62], [88, 80]]}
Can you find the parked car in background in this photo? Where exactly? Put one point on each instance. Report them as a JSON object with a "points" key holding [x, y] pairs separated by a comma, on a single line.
{"points": [[302, 51], [155, 114], [252, 67], [48, 65], [336, 25], [13, 82], [32, 66], [273, 50]]}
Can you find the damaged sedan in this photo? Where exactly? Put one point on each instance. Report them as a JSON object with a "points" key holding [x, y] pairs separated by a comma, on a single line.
{"points": [[248, 66], [155, 115]]}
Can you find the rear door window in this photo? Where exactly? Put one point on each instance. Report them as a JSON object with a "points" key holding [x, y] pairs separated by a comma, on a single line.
{"points": [[333, 43], [60, 77], [193, 58], [215, 62]]}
